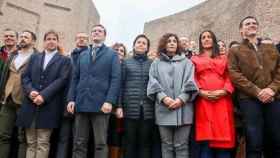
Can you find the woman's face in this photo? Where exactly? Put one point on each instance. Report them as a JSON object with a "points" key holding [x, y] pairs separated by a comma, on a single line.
{"points": [[206, 40], [141, 45], [120, 52], [222, 47], [172, 45]]}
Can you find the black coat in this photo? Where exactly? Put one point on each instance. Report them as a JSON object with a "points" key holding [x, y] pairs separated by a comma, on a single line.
{"points": [[133, 97], [50, 83]]}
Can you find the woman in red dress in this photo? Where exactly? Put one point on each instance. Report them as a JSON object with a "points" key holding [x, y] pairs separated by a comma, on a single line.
{"points": [[214, 124]]}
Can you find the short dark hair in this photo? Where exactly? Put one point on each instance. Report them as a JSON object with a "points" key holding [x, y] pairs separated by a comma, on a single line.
{"points": [[9, 29], [102, 26], [164, 40], [143, 36], [118, 45], [51, 32], [33, 35], [247, 17], [215, 47]]}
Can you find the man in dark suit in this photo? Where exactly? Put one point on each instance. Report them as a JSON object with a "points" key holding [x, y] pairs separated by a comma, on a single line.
{"points": [[94, 90], [43, 81]]}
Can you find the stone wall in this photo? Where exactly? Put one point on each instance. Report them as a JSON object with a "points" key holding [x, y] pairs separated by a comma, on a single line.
{"points": [[220, 16], [65, 16]]}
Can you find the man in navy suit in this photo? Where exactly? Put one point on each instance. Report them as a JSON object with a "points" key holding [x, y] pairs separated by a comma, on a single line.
{"points": [[94, 90], [43, 82]]}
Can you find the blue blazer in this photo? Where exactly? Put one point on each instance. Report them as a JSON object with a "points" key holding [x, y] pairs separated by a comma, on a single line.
{"points": [[94, 83], [50, 83]]}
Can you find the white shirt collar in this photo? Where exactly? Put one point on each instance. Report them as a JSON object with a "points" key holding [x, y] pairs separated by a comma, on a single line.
{"points": [[97, 45]]}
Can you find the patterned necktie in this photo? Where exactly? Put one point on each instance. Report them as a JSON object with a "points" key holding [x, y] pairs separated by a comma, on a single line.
{"points": [[93, 53]]}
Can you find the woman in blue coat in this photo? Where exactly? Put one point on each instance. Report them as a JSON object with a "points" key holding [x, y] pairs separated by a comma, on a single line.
{"points": [[43, 84]]}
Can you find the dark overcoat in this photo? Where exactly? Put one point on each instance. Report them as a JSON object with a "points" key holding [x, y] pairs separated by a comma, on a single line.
{"points": [[95, 81], [50, 83]]}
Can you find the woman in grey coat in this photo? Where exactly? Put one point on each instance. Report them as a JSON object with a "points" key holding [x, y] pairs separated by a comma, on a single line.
{"points": [[172, 86]]}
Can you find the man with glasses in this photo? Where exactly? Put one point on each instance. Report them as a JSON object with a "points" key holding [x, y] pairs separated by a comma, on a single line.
{"points": [[94, 90]]}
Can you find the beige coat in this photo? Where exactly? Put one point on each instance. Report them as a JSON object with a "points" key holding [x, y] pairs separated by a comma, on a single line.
{"points": [[13, 86]]}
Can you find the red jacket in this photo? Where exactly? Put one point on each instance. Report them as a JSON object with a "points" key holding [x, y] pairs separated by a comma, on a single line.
{"points": [[214, 119]]}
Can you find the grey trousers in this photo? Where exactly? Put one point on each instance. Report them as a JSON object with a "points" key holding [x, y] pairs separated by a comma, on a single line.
{"points": [[174, 141], [99, 123]]}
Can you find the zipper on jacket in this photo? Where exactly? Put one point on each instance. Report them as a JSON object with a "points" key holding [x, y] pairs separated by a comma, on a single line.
{"points": [[173, 88], [142, 85]]}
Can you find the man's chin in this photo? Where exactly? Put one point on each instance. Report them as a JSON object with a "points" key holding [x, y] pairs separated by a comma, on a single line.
{"points": [[252, 34], [51, 49], [97, 41]]}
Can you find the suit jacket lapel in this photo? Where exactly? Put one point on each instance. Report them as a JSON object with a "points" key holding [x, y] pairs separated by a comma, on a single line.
{"points": [[41, 61], [54, 58]]}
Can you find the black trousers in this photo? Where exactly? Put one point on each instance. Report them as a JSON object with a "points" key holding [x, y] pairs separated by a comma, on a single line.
{"points": [[262, 126], [138, 136]]}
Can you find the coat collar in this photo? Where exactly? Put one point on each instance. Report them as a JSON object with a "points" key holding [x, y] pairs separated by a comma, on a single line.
{"points": [[176, 58], [13, 68], [250, 45], [140, 57], [99, 52]]}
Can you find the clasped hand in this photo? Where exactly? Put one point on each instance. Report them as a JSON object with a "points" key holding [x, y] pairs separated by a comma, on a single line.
{"points": [[173, 104], [36, 98], [212, 95], [266, 95]]}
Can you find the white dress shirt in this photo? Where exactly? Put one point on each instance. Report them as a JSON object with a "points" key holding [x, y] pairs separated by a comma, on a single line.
{"points": [[48, 57]]}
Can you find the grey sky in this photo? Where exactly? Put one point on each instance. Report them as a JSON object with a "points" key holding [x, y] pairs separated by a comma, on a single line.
{"points": [[124, 19]]}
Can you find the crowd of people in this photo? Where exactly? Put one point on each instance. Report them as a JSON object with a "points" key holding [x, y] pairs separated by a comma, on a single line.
{"points": [[176, 102]]}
